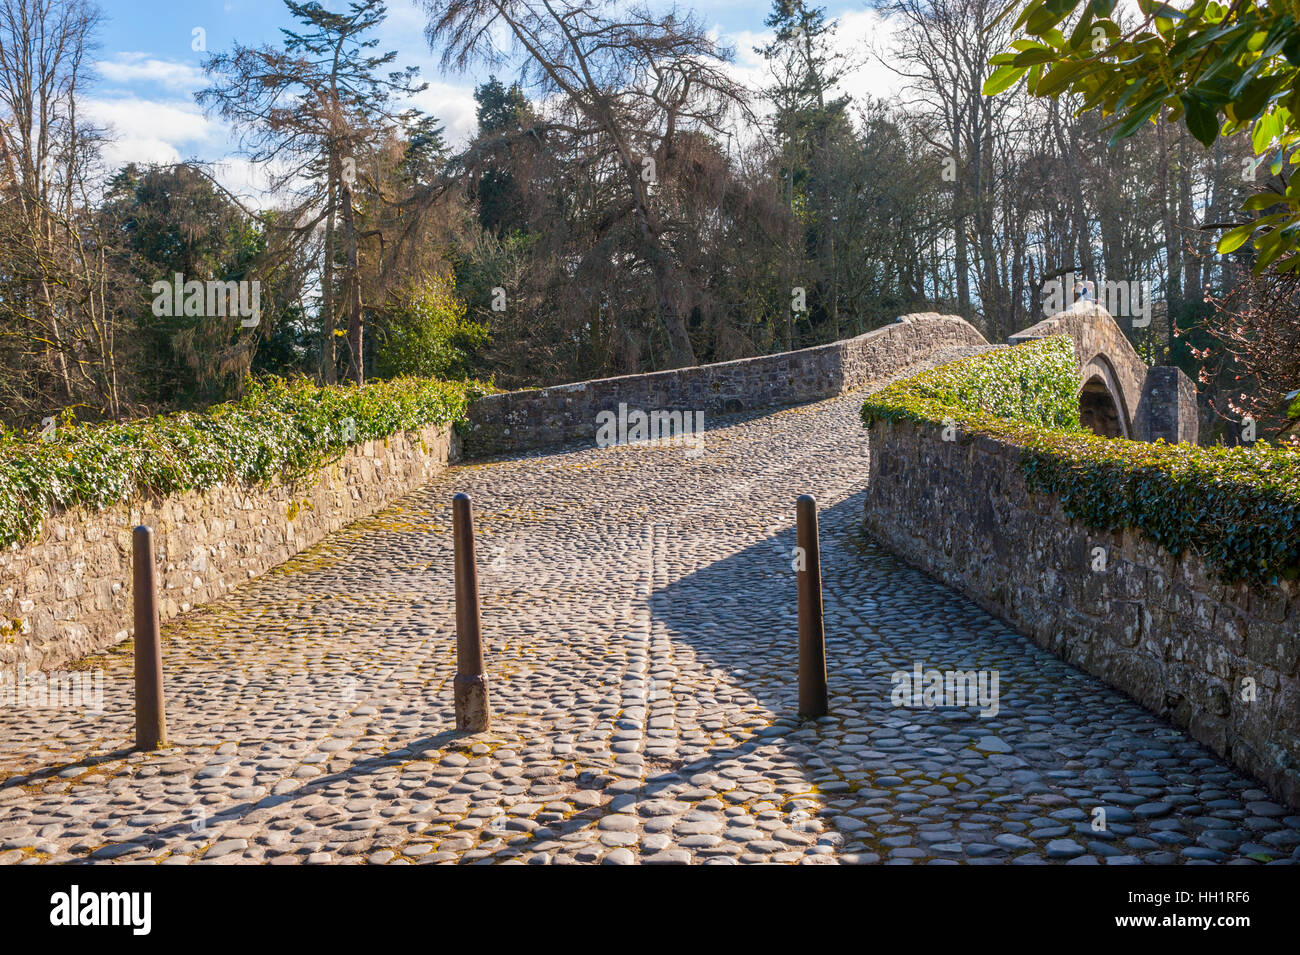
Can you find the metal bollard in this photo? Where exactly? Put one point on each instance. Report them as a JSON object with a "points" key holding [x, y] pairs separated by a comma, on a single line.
{"points": [[813, 700], [150, 718], [473, 715]]}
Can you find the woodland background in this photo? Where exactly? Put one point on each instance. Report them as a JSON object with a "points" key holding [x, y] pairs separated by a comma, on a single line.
{"points": [[625, 206]]}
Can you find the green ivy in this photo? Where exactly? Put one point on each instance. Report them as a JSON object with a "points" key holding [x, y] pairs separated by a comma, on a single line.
{"points": [[279, 430], [1035, 383], [1237, 508]]}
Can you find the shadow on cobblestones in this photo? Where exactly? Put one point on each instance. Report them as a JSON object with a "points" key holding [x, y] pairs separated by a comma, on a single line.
{"points": [[1061, 768]]}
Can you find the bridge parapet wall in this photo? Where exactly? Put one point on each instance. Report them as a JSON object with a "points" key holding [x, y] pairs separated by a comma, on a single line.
{"points": [[69, 593], [1168, 407], [544, 417], [1164, 631]]}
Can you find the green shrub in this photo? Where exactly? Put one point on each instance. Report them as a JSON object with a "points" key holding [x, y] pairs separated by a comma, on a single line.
{"points": [[279, 429], [429, 334], [1237, 508]]}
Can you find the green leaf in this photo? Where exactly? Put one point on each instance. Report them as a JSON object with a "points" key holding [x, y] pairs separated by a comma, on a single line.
{"points": [[1263, 201], [1060, 77], [1252, 100], [1267, 128], [1236, 238], [1025, 13], [1034, 57], [1003, 78], [1140, 114], [1154, 8], [1271, 246], [1081, 35], [1202, 119], [1291, 49], [1048, 15]]}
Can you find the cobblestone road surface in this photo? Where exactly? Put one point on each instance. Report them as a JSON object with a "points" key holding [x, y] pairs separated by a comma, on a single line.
{"points": [[639, 606]]}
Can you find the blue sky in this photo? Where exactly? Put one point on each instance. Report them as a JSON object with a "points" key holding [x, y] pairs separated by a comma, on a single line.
{"points": [[149, 69]]}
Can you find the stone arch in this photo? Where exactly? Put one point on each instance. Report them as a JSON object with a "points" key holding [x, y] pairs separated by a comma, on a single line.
{"points": [[1098, 411], [1102, 408]]}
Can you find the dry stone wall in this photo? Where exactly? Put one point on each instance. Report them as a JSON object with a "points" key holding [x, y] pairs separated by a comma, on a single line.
{"points": [[523, 420], [1217, 659], [69, 594]]}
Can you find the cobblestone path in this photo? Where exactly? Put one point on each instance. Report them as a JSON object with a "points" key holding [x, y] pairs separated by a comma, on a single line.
{"points": [[639, 606]]}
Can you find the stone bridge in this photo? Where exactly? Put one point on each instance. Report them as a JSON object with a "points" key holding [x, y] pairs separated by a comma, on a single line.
{"points": [[639, 611], [1119, 395]]}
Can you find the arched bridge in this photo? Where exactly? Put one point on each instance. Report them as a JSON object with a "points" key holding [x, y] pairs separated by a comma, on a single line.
{"points": [[1119, 395]]}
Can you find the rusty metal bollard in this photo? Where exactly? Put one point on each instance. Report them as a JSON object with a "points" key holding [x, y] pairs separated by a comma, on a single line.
{"points": [[813, 700], [473, 714], [150, 718]]}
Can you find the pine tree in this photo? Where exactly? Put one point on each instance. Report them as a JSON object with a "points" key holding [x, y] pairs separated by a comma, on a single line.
{"points": [[314, 110]]}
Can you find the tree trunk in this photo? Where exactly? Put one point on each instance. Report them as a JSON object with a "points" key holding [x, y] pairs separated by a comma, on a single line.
{"points": [[679, 339], [1191, 262], [1173, 260], [962, 255], [328, 358], [352, 285]]}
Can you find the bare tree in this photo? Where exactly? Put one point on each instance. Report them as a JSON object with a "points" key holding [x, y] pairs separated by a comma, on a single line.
{"points": [[56, 304], [943, 49]]}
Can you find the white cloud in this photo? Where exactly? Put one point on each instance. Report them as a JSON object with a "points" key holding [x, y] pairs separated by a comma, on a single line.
{"points": [[865, 35], [179, 123], [121, 150], [247, 180], [146, 101], [454, 106], [861, 35], [131, 68], [168, 131]]}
